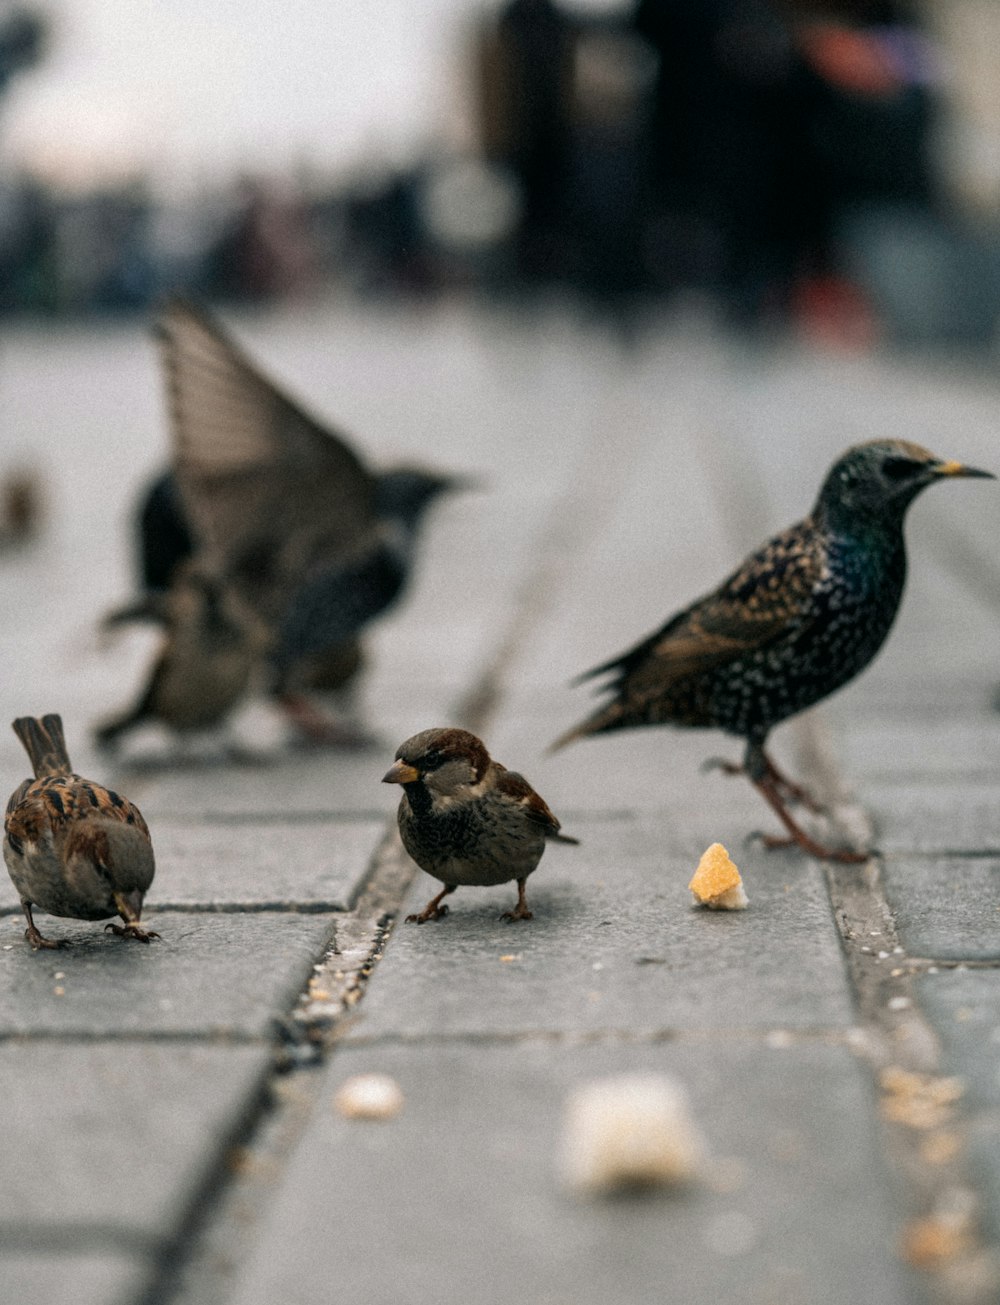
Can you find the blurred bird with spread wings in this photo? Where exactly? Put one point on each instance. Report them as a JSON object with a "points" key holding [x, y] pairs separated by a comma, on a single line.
{"points": [[281, 511]]}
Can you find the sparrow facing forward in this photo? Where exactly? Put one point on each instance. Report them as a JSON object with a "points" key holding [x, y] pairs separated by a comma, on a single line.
{"points": [[73, 848], [466, 819], [802, 616]]}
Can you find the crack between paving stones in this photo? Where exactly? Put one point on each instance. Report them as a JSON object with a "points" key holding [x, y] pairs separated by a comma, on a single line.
{"points": [[325, 1006], [924, 1146], [895, 1036]]}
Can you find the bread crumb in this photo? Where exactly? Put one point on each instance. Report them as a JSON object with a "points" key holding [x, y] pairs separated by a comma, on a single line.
{"points": [[369, 1096], [717, 883], [628, 1131]]}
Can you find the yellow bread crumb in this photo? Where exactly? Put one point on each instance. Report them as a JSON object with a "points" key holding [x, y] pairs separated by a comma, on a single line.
{"points": [[369, 1096], [717, 883]]}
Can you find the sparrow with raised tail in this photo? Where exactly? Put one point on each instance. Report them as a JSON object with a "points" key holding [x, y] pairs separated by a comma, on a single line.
{"points": [[281, 510], [73, 848], [799, 618], [466, 819]]}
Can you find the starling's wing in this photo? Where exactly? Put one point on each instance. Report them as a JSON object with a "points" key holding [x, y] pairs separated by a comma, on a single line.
{"points": [[338, 598], [770, 596], [266, 488]]}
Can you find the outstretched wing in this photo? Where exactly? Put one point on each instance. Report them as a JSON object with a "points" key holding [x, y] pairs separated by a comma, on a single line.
{"points": [[267, 489]]}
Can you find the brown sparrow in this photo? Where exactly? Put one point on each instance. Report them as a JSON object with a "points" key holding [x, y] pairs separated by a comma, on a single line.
{"points": [[73, 848], [466, 819]]}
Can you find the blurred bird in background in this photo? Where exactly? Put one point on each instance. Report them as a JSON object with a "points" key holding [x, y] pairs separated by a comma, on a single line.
{"points": [[281, 542], [801, 617]]}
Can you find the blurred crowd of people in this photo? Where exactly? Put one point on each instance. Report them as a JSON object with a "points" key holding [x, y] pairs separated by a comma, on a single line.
{"points": [[745, 149]]}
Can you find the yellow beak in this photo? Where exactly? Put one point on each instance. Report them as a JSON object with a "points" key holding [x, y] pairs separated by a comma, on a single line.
{"points": [[400, 773], [960, 469]]}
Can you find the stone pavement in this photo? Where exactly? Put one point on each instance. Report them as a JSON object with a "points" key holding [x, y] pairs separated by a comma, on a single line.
{"points": [[170, 1133]]}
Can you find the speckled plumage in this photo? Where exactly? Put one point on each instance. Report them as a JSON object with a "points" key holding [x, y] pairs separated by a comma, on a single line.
{"points": [[466, 819], [74, 848], [799, 618]]}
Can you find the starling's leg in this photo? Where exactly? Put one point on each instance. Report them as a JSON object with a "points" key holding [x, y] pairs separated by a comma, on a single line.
{"points": [[434, 909], [792, 792], [35, 938], [520, 911], [766, 786]]}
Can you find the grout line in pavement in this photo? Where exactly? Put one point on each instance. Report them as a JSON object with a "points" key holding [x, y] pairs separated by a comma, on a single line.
{"points": [[338, 982]]}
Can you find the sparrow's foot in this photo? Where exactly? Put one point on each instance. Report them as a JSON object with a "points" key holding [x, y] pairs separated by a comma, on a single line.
{"points": [[430, 912], [39, 943], [520, 911], [135, 931]]}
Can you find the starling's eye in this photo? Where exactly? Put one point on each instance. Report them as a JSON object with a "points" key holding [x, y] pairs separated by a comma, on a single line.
{"points": [[899, 468]]}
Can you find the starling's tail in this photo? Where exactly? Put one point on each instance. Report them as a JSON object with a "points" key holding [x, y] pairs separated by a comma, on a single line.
{"points": [[44, 743], [608, 718]]}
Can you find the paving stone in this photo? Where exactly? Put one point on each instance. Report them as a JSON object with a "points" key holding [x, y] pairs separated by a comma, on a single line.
{"points": [[307, 862], [615, 943], [116, 1139], [212, 974], [946, 907], [943, 815], [964, 1007], [75, 1278], [457, 1198]]}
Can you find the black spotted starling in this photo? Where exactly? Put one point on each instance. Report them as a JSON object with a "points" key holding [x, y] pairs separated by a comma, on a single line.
{"points": [[802, 616]]}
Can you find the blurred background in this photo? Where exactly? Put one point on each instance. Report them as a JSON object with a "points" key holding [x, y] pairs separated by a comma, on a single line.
{"points": [[833, 165]]}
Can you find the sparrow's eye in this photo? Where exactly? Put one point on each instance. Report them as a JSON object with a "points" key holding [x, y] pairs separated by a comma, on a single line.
{"points": [[900, 468], [432, 760]]}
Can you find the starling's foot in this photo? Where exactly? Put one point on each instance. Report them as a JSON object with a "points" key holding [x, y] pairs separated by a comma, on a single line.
{"points": [[39, 943], [430, 912], [770, 789], [721, 763], [135, 931]]}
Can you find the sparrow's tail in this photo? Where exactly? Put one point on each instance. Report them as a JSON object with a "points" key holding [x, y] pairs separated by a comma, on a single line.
{"points": [[44, 743], [563, 838]]}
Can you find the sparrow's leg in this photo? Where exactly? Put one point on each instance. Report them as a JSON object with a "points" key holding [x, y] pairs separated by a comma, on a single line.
{"points": [[520, 911], [434, 909], [758, 770], [35, 938], [131, 928]]}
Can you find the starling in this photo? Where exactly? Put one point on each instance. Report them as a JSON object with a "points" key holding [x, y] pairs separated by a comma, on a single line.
{"points": [[801, 616], [281, 511], [466, 819]]}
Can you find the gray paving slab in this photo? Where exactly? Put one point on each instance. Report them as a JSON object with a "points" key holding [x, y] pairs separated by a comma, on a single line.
{"points": [[964, 1006], [256, 863], [458, 1198], [615, 944], [212, 974], [946, 908], [114, 1141], [941, 815], [80, 1278]]}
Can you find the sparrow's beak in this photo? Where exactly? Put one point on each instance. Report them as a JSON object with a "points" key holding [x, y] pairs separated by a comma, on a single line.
{"points": [[400, 773], [960, 469]]}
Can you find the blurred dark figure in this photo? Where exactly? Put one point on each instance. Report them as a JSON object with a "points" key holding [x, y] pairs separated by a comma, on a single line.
{"points": [[263, 251], [771, 121], [163, 537], [526, 79], [23, 35], [719, 142]]}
